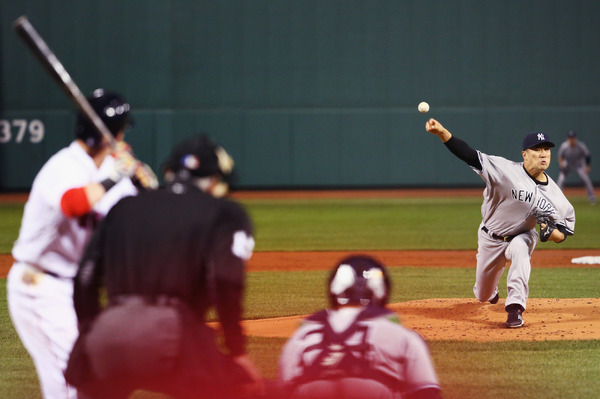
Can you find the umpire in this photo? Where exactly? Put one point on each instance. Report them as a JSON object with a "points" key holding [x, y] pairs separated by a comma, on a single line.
{"points": [[165, 258]]}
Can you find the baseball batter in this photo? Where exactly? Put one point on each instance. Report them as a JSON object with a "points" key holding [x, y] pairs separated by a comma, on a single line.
{"points": [[574, 156], [516, 196], [69, 195], [357, 348]]}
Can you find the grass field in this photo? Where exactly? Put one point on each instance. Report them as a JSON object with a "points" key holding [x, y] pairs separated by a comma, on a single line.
{"points": [[558, 369]]}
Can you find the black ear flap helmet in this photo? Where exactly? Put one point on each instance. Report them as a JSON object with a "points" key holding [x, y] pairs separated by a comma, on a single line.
{"points": [[199, 156], [359, 280], [112, 108]]}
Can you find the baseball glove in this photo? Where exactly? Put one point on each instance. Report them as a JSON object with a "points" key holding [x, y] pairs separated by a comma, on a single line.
{"points": [[547, 225], [546, 230], [542, 216]]}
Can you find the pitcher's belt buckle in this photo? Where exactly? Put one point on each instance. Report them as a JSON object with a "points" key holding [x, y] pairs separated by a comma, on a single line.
{"points": [[496, 236]]}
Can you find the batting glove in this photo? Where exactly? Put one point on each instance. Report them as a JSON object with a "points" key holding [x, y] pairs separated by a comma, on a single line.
{"points": [[144, 177], [125, 165]]}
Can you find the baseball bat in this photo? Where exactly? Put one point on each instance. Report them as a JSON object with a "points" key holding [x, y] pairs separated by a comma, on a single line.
{"points": [[50, 61]]}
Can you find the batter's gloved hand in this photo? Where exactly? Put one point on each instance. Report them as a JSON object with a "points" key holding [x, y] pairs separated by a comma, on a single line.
{"points": [[144, 177], [546, 230], [125, 163]]}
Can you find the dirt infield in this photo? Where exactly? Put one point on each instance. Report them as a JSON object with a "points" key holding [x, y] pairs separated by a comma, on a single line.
{"points": [[323, 260]]}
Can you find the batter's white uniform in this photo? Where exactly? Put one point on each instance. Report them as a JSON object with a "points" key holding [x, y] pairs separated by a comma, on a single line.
{"points": [[510, 197], [573, 159], [397, 354], [47, 252]]}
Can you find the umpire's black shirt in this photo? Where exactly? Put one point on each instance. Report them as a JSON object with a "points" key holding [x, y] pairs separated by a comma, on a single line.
{"points": [[179, 242]]}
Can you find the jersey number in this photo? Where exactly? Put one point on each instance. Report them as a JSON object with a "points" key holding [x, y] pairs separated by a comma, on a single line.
{"points": [[243, 245]]}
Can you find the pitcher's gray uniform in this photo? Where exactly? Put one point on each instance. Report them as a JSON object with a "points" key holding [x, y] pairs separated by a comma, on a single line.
{"points": [[510, 198], [516, 193], [574, 156]]}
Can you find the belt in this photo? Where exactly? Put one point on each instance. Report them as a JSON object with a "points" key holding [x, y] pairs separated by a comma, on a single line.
{"points": [[159, 300], [42, 270], [496, 236]]}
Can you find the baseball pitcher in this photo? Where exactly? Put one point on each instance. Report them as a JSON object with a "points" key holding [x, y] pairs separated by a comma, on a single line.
{"points": [[517, 195]]}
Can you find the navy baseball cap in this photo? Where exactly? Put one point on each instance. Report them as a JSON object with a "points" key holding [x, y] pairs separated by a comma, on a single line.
{"points": [[571, 133], [536, 138]]}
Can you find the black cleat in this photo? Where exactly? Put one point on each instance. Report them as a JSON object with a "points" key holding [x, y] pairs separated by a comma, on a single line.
{"points": [[515, 318], [494, 300]]}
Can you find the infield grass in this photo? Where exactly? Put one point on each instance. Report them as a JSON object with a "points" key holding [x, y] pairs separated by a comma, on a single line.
{"points": [[364, 224], [388, 224], [530, 370]]}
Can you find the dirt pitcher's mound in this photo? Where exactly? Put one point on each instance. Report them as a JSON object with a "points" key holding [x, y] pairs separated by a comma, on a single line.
{"points": [[467, 319]]}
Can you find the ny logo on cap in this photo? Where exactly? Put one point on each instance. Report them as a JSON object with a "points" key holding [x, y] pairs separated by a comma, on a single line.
{"points": [[540, 136]]}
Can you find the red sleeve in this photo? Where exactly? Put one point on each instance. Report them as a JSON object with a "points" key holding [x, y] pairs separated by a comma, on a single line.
{"points": [[75, 203]]}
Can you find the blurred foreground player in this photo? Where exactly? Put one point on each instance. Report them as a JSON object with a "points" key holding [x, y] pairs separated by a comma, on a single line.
{"points": [[165, 257], [70, 194], [357, 349]]}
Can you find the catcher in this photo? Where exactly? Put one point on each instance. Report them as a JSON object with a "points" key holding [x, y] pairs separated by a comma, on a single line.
{"points": [[516, 197], [357, 349]]}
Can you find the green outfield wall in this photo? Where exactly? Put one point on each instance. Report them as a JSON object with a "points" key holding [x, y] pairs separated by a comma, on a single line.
{"points": [[308, 93]]}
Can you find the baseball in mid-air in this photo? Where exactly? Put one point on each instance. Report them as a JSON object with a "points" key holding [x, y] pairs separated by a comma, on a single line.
{"points": [[423, 107]]}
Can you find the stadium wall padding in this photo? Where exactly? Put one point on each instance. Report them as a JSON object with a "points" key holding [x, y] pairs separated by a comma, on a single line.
{"points": [[310, 93]]}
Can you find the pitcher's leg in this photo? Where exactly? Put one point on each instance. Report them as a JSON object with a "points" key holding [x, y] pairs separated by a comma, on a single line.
{"points": [[519, 253], [490, 266]]}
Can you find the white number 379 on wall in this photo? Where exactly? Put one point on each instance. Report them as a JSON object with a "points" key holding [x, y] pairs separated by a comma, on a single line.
{"points": [[18, 130]]}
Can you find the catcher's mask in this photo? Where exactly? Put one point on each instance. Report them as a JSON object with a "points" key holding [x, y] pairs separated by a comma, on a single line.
{"points": [[359, 280], [198, 157]]}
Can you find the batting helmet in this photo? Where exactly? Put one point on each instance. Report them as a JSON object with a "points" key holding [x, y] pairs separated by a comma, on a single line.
{"points": [[112, 108], [359, 280]]}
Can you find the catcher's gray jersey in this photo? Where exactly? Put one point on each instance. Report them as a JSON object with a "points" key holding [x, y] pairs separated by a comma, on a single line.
{"points": [[511, 196], [392, 350]]}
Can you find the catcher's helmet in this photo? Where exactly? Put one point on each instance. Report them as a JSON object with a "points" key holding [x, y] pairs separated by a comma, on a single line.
{"points": [[359, 280], [112, 108], [199, 156]]}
